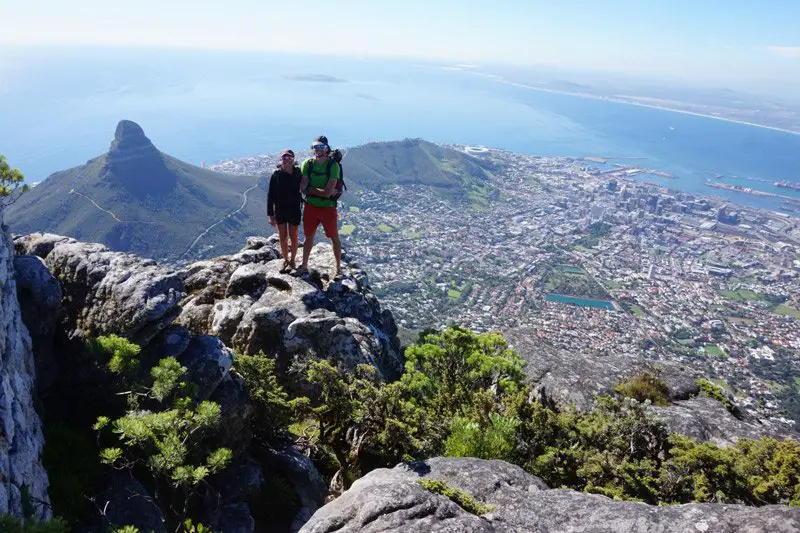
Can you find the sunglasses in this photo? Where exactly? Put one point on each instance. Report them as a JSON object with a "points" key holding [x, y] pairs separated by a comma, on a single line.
{"points": [[287, 157], [319, 146]]}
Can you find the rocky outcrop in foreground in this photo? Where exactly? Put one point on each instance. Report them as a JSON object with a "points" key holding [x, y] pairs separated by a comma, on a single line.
{"points": [[562, 379], [200, 314], [392, 500], [21, 439]]}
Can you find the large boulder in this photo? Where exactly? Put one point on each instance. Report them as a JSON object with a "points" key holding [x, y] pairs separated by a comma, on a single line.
{"points": [[708, 420], [108, 292], [253, 307], [125, 501], [392, 500]]}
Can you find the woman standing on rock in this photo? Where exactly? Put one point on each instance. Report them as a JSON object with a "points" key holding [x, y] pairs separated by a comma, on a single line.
{"points": [[284, 205]]}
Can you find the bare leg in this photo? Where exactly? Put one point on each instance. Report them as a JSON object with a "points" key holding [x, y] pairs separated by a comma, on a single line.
{"points": [[283, 235], [337, 252], [308, 244], [295, 240]]}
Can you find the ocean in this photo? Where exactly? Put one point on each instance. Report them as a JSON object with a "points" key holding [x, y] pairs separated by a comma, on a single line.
{"points": [[59, 108]]}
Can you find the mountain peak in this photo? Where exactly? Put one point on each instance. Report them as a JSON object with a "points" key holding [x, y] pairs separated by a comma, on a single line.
{"points": [[130, 140], [136, 163], [127, 129]]}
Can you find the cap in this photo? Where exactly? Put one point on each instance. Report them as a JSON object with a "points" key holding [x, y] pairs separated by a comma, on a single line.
{"points": [[287, 151], [321, 140]]}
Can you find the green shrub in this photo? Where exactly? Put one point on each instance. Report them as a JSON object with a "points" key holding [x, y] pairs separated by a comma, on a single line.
{"points": [[12, 524], [714, 392], [495, 440], [274, 410], [463, 499], [164, 431], [643, 387], [119, 354], [12, 183]]}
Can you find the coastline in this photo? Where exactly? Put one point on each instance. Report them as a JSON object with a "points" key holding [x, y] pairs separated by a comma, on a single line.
{"points": [[639, 104]]}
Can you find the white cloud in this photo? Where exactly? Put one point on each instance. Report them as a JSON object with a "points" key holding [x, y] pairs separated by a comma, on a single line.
{"points": [[791, 52]]}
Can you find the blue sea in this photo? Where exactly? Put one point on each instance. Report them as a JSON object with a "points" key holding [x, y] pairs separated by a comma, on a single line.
{"points": [[59, 108]]}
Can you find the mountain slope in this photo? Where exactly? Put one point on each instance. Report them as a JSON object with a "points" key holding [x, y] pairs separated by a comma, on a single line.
{"points": [[135, 198], [449, 172]]}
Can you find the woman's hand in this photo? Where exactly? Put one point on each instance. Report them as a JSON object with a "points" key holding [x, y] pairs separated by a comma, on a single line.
{"points": [[272, 222]]}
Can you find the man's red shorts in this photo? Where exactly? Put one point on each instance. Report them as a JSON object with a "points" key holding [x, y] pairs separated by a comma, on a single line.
{"points": [[314, 216]]}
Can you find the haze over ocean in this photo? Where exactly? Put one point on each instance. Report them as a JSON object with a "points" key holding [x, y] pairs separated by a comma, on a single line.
{"points": [[60, 108]]}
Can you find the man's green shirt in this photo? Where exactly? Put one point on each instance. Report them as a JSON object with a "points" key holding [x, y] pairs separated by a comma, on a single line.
{"points": [[318, 177]]}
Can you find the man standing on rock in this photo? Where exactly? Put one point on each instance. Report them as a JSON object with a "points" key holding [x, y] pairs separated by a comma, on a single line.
{"points": [[319, 176]]}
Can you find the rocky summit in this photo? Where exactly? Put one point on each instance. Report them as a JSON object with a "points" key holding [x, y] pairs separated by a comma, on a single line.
{"points": [[514, 501]]}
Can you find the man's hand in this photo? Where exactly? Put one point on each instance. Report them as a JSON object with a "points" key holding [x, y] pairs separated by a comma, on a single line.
{"points": [[316, 191], [272, 222]]}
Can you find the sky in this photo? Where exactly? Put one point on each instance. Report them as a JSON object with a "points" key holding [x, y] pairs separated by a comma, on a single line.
{"points": [[736, 43]]}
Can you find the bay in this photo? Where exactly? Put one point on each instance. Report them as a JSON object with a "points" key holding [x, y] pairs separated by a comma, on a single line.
{"points": [[59, 107]]}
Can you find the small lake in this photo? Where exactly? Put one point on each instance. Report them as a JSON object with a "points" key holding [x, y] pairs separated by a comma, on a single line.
{"points": [[583, 302]]}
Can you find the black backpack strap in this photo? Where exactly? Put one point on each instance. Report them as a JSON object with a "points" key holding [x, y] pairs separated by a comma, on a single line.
{"points": [[328, 168]]}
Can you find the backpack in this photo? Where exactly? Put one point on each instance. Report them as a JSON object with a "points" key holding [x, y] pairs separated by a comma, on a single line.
{"points": [[335, 158]]}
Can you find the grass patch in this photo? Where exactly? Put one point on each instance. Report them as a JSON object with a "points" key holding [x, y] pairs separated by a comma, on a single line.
{"points": [[637, 311], [611, 284], [797, 384], [347, 229], [454, 294], [385, 228], [714, 351], [413, 234], [743, 296], [643, 387], [463, 499], [785, 310], [354, 209]]}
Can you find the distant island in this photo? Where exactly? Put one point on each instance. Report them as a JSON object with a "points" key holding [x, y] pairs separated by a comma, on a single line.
{"points": [[315, 77]]}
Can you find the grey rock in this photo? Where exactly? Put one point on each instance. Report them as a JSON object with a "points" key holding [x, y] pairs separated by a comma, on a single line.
{"points": [[235, 518], [21, 438], [308, 483], [39, 295], [126, 502], [39, 244], [226, 315], [240, 482], [255, 308], [237, 413], [391, 500], [708, 420], [112, 292], [208, 361], [562, 378]]}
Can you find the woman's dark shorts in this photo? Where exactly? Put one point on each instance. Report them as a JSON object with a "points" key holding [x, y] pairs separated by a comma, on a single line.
{"points": [[288, 214]]}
